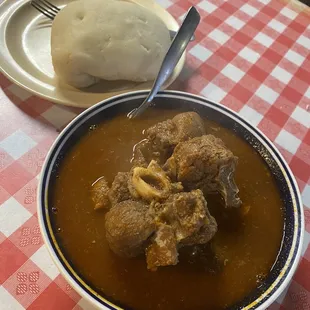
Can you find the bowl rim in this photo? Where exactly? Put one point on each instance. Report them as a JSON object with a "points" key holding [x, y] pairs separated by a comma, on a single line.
{"points": [[272, 292]]}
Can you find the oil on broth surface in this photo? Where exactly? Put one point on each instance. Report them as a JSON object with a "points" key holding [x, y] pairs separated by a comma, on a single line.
{"points": [[246, 246]]}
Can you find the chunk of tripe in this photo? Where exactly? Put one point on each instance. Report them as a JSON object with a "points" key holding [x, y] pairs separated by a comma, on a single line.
{"points": [[99, 194]]}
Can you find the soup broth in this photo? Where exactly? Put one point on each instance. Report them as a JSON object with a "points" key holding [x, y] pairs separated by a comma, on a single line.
{"points": [[214, 276]]}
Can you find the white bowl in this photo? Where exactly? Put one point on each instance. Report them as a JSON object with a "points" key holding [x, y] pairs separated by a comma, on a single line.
{"points": [[289, 255]]}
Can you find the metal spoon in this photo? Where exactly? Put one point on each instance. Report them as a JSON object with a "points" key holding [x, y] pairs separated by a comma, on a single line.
{"points": [[173, 34], [171, 59]]}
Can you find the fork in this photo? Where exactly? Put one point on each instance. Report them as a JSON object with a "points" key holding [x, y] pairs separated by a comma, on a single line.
{"points": [[46, 8], [50, 11]]}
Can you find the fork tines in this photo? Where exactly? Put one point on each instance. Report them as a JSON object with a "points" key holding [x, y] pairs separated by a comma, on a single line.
{"points": [[45, 7]]}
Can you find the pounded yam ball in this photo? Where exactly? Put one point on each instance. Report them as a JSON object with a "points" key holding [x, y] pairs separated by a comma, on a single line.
{"points": [[107, 39]]}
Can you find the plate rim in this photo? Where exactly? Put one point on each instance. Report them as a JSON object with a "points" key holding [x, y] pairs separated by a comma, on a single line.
{"points": [[9, 7]]}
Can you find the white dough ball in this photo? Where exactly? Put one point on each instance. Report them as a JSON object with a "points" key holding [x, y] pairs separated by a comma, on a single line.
{"points": [[107, 39]]}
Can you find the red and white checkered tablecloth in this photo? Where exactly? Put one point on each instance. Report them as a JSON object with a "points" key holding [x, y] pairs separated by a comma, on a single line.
{"points": [[252, 56]]}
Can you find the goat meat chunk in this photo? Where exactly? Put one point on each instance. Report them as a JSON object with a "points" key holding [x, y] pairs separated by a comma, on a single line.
{"points": [[185, 212], [163, 248], [205, 163], [119, 190], [164, 136], [128, 225]]}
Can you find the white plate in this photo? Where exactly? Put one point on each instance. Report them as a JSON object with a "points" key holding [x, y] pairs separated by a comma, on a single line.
{"points": [[26, 60]]}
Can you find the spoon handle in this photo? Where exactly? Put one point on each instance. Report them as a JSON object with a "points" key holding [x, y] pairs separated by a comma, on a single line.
{"points": [[172, 57], [173, 33]]}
